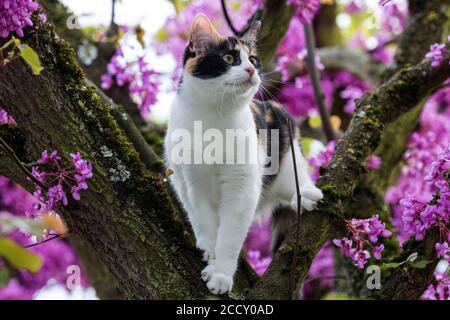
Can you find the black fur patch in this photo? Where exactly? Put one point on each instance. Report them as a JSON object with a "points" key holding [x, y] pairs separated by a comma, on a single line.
{"points": [[212, 64], [271, 116]]}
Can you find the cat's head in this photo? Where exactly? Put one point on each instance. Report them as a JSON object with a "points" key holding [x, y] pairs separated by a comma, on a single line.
{"points": [[221, 65]]}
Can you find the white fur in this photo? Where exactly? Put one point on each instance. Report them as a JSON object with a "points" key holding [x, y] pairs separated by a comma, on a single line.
{"points": [[221, 199]]}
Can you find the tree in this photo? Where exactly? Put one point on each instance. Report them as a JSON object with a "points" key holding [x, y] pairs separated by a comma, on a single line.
{"points": [[128, 214]]}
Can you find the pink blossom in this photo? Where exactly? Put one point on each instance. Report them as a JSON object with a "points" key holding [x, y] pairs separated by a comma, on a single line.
{"points": [[436, 54], [373, 162], [15, 15]]}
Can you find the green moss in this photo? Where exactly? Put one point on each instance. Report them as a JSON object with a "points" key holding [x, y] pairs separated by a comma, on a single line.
{"points": [[331, 191], [155, 141]]}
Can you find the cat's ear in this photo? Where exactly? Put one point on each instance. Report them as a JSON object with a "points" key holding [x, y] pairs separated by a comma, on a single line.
{"points": [[203, 34], [250, 36]]}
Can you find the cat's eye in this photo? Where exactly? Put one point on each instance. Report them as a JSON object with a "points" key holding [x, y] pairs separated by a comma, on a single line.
{"points": [[228, 58], [254, 61]]}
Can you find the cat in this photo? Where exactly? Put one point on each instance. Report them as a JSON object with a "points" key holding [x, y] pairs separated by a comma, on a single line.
{"points": [[220, 79]]}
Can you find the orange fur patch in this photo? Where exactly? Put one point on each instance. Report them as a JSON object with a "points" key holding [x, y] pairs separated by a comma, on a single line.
{"points": [[191, 63]]}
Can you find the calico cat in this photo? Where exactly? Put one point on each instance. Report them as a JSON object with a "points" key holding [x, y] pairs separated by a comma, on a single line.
{"points": [[220, 79]]}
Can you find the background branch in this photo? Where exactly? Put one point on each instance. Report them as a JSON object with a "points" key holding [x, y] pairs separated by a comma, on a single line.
{"points": [[315, 80]]}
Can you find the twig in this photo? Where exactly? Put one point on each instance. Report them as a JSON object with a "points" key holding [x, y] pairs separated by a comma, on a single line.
{"points": [[315, 80], [299, 211], [45, 241], [113, 28], [228, 19], [12, 155]]}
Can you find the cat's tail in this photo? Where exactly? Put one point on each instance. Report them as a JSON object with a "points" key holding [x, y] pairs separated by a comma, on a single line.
{"points": [[282, 219]]}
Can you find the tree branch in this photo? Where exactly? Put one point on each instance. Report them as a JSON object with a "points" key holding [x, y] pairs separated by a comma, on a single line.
{"points": [[276, 17], [315, 80], [360, 64], [228, 19]]}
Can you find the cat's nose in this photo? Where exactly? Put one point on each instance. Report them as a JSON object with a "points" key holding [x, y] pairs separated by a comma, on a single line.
{"points": [[250, 71]]}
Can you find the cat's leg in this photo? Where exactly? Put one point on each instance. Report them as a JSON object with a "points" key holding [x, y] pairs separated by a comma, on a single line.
{"points": [[239, 197], [310, 194], [203, 217]]}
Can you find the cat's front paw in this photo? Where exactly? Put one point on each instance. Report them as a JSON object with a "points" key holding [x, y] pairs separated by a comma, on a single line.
{"points": [[220, 283], [310, 196]]}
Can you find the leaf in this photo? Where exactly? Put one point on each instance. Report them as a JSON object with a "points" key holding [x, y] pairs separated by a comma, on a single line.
{"points": [[315, 122], [53, 222], [391, 265], [412, 257], [421, 264], [18, 257], [306, 145], [33, 227], [29, 226], [4, 277], [31, 58]]}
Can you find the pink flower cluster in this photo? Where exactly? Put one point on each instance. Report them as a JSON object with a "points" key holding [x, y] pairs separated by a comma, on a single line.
{"points": [[436, 54], [58, 177], [258, 246], [365, 233], [424, 147], [258, 262], [441, 289], [418, 217], [322, 159], [15, 15], [57, 254], [143, 82], [5, 118], [299, 97], [306, 9], [373, 162], [320, 277]]}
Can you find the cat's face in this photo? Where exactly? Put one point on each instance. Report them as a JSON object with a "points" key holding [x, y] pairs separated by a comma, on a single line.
{"points": [[222, 66]]}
